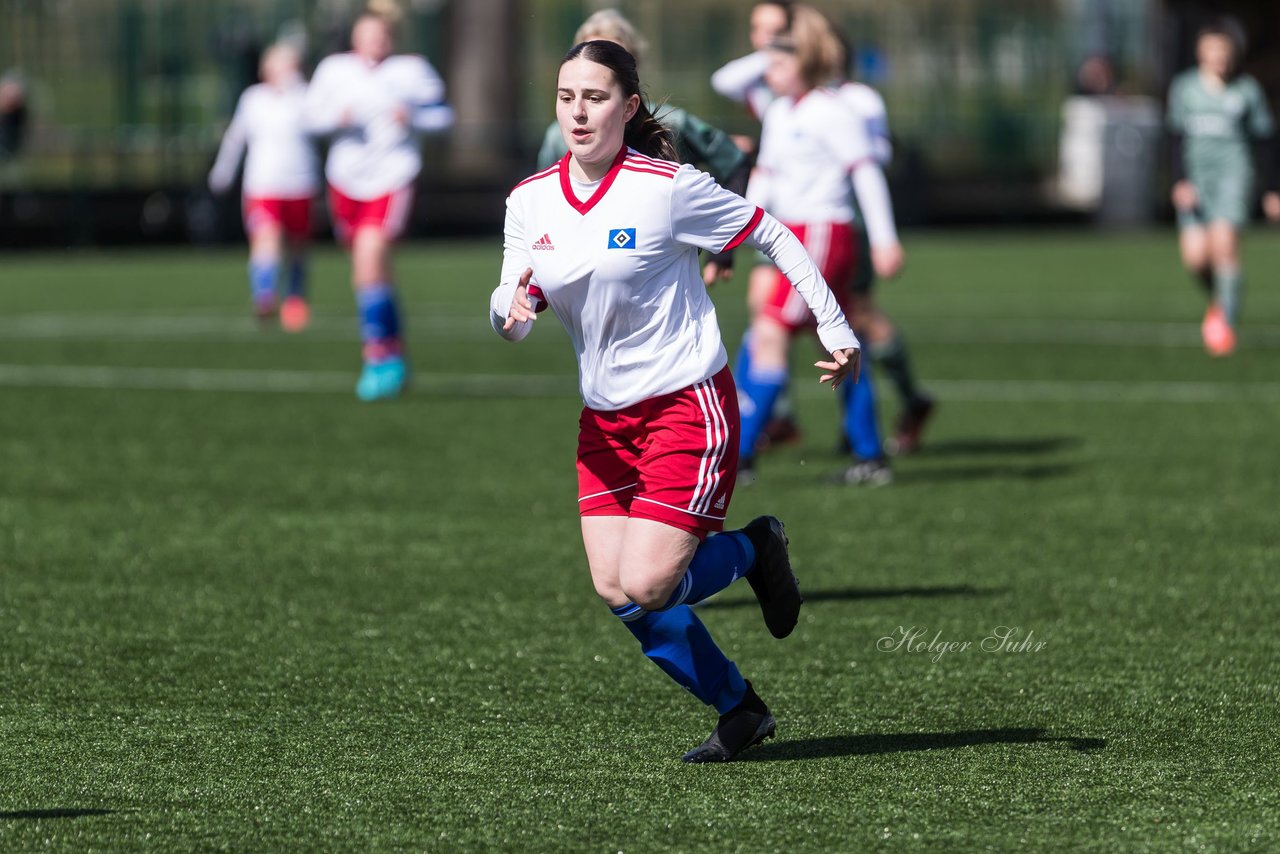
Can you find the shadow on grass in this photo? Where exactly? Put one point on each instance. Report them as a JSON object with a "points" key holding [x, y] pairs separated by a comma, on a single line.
{"points": [[854, 593], [975, 447], [17, 815], [880, 743], [1003, 471]]}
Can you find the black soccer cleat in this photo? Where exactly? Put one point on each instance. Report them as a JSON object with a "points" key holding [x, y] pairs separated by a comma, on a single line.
{"points": [[771, 578], [910, 427], [743, 726]]}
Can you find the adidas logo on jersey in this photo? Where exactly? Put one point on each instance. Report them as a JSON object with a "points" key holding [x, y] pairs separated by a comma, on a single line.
{"points": [[544, 242], [720, 503]]}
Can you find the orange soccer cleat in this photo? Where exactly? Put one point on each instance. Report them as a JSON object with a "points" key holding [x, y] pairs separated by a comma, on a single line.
{"points": [[1219, 338], [294, 314]]}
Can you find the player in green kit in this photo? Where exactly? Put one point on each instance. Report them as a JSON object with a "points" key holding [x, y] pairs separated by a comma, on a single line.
{"points": [[1216, 116]]}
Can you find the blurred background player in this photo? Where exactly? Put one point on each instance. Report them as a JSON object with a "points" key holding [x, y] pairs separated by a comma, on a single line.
{"points": [[608, 239], [815, 156], [13, 114], [375, 106], [281, 176], [1214, 115], [743, 80], [697, 142], [885, 343]]}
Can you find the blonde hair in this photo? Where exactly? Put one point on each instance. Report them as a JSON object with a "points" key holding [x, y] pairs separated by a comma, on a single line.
{"points": [[388, 10], [823, 56], [612, 25]]}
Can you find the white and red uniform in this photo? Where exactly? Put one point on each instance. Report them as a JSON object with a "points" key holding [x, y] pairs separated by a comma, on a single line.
{"points": [[281, 172], [742, 80], [374, 157], [814, 155], [617, 262]]}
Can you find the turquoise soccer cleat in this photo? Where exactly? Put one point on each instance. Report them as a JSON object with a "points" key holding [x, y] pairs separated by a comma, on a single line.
{"points": [[382, 380]]}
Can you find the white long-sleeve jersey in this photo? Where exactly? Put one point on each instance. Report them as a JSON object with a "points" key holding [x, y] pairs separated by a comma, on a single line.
{"points": [[281, 161], [617, 262], [742, 80], [371, 153], [868, 106], [814, 155]]}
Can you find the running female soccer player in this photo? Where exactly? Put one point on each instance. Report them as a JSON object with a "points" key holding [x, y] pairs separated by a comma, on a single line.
{"points": [[814, 157], [281, 176], [608, 239], [1214, 114], [697, 142], [375, 105]]}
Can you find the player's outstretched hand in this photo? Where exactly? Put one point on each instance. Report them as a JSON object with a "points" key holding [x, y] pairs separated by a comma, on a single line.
{"points": [[1271, 206], [887, 260], [844, 363], [521, 307]]}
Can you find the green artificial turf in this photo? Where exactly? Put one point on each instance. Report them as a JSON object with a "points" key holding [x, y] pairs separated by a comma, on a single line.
{"points": [[238, 618]]}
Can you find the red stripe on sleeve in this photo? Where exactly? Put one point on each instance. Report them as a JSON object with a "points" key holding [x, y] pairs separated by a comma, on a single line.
{"points": [[746, 231], [649, 171], [536, 297], [545, 173], [858, 164]]}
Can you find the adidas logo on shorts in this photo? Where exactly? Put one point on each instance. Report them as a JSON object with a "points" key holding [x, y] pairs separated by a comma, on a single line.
{"points": [[544, 242]]}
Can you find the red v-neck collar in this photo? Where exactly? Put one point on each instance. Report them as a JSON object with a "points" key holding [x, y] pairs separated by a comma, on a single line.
{"points": [[605, 183]]}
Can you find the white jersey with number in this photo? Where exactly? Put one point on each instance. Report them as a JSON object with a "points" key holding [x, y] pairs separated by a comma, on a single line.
{"points": [[374, 152], [281, 161], [617, 262]]}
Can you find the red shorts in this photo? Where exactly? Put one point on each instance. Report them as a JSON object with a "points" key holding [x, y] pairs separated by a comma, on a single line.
{"points": [[672, 458], [388, 213], [833, 248], [293, 216]]}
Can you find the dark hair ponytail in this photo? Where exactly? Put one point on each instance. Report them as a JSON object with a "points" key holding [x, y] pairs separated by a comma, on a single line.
{"points": [[644, 132]]}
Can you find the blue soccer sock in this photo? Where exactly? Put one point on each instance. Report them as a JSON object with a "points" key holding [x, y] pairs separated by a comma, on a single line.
{"points": [[379, 322], [297, 278], [262, 282], [678, 643], [720, 560], [758, 392], [860, 424], [742, 361]]}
